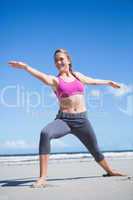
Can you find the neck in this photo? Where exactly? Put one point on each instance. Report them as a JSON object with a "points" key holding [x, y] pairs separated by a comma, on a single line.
{"points": [[65, 74]]}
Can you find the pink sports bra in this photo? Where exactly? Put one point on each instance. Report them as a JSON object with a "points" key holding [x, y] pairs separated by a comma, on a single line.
{"points": [[66, 89]]}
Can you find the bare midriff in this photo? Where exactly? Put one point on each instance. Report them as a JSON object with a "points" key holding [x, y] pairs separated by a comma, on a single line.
{"points": [[73, 104]]}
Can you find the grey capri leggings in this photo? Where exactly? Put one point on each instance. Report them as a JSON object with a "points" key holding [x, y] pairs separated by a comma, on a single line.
{"points": [[70, 123]]}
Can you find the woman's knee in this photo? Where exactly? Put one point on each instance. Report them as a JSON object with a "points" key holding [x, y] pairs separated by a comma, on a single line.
{"points": [[44, 144], [44, 134]]}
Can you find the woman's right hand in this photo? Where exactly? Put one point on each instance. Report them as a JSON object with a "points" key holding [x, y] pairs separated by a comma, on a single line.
{"points": [[17, 64]]}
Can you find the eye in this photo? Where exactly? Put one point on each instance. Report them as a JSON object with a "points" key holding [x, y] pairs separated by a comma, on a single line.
{"points": [[59, 59]]}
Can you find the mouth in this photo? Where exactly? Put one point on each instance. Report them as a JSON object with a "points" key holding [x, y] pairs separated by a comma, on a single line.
{"points": [[62, 65]]}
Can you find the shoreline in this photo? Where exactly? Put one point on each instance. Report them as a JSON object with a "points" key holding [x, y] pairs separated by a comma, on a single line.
{"points": [[56, 153], [61, 157]]}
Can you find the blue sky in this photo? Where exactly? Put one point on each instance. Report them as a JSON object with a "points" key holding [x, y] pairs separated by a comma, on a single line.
{"points": [[99, 37]]}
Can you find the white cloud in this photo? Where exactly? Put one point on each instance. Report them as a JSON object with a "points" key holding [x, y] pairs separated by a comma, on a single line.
{"points": [[17, 144], [125, 89], [95, 93], [60, 143], [22, 144]]}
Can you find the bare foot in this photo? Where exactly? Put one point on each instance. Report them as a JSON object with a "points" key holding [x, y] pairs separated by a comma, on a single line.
{"points": [[114, 173], [39, 183]]}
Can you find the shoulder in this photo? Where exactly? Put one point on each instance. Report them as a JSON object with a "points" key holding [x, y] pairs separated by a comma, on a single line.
{"points": [[54, 78], [55, 82], [80, 76]]}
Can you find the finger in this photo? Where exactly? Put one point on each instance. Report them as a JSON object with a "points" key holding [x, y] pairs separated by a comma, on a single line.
{"points": [[118, 86]]}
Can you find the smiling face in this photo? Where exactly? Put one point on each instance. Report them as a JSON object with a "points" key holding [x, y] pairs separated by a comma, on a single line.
{"points": [[62, 62]]}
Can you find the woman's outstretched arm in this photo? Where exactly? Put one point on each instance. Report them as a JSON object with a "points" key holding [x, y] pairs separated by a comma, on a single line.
{"points": [[93, 81], [47, 79]]}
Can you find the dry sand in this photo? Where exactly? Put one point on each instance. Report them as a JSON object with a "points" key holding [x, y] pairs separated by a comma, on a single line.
{"points": [[79, 179]]}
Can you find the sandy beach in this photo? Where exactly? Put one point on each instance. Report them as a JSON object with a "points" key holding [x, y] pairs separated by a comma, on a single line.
{"points": [[73, 179]]}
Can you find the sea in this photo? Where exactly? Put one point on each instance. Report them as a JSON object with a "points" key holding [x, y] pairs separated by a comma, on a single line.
{"points": [[26, 159]]}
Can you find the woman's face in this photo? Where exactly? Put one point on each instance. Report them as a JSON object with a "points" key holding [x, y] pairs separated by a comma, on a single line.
{"points": [[62, 62]]}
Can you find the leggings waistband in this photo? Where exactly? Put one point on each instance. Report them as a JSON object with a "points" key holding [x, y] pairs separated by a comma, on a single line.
{"points": [[72, 115]]}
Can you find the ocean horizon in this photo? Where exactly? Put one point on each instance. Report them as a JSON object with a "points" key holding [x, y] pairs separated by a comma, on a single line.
{"points": [[33, 158], [63, 152]]}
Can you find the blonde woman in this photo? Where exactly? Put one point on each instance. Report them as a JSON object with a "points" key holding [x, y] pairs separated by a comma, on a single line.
{"points": [[68, 86]]}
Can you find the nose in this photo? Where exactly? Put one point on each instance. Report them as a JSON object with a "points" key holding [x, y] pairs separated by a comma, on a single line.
{"points": [[59, 62]]}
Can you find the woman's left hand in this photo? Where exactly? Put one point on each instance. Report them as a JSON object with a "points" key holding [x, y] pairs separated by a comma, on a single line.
{"points": [[114, 84]]}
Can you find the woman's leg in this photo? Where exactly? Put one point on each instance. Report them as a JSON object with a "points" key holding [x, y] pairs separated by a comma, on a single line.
{"points": [[56, 129], [41, 181], [43, 165], [87, 136], [110, 172]]}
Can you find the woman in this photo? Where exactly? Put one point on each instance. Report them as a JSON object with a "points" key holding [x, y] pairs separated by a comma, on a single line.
{"points": [[72, 116]]}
